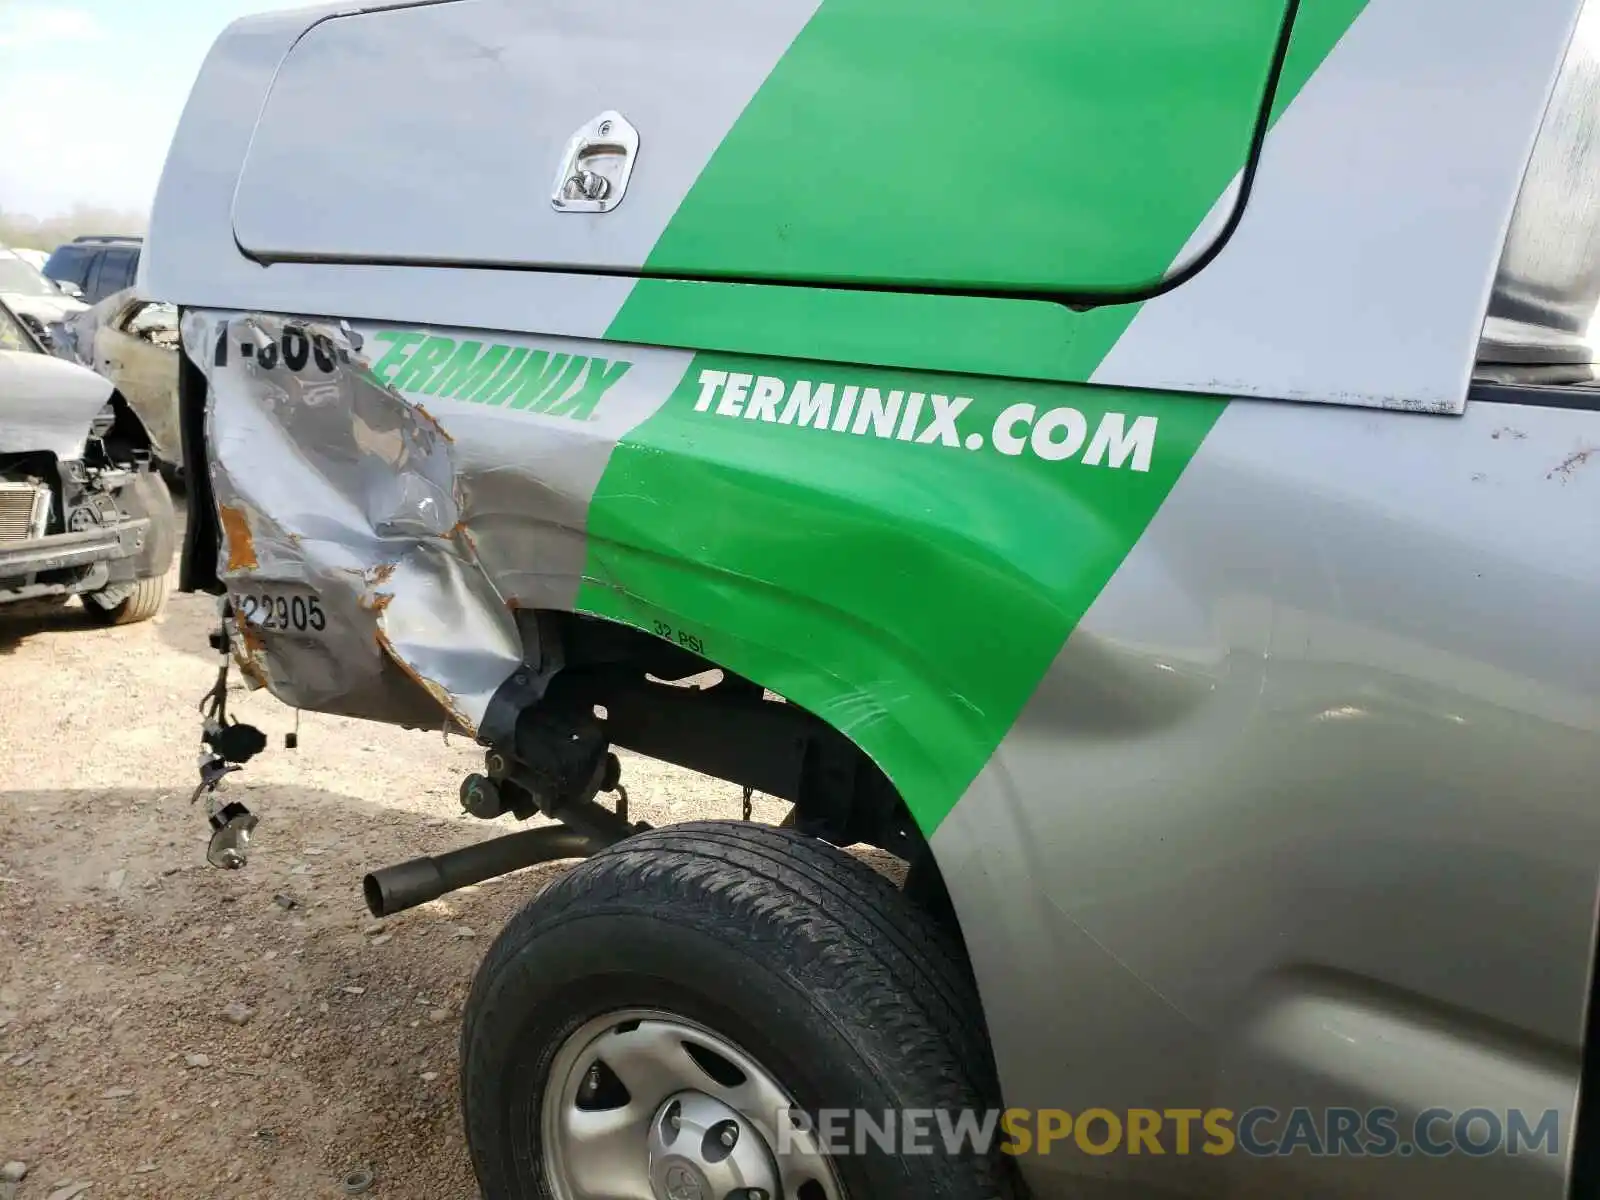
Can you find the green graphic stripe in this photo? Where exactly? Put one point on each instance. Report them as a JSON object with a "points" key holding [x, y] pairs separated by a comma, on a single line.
{"points": [[917, 331], [1030, 143], [914, 593], [902, 554]]}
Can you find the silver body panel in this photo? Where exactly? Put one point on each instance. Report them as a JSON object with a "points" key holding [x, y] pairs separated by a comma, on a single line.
{"points": [[1255, 322], [1361, 269], [1307, 811], [1303, 812], [194, 254], [557, 64]]}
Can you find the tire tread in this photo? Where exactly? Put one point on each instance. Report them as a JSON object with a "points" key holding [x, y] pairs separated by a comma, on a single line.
{"points": [[892, 981]]}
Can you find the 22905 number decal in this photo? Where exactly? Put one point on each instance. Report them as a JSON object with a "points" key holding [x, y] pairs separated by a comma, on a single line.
{"points": [[284, 612]]}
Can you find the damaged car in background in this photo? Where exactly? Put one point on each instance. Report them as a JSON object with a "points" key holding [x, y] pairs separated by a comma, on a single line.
{"points": [[82, 509], [38, 301], [132, 340]]}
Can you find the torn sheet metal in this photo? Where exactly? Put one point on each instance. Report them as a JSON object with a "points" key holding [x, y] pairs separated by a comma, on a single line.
{"points": [[375, 553], [134, 344]]}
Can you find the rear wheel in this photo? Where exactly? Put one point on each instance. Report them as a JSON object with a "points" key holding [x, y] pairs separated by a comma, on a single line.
{"points": [[670, 1018]]}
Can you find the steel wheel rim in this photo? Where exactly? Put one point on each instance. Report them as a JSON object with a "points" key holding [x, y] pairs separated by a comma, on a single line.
{"points": [[597, 1149]]}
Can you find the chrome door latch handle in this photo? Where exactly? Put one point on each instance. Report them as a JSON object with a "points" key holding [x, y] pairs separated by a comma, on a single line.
{"points": [[596, 166]]}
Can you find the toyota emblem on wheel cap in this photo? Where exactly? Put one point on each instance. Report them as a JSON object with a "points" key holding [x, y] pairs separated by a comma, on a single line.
{"points": [[683, 1183]]}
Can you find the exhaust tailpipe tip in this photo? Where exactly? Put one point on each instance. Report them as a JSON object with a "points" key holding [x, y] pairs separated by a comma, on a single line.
{"points": [[404, 885], [390, 890]]}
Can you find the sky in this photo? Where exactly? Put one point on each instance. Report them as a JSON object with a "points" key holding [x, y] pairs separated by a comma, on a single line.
{"points": [[91, 92]]}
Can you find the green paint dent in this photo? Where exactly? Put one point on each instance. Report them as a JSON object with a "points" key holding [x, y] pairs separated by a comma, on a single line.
{"points": [[910, 590]]}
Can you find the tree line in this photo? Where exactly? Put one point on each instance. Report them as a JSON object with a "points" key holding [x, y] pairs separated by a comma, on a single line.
{"points": [[46, 233]]}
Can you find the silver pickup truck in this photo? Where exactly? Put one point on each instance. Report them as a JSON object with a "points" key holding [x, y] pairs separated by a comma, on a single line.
{"points": [[1137, 464]]}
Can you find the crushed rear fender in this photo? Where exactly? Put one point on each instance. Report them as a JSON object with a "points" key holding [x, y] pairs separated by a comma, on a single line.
{"points": [[359, 583], [899, 553]]}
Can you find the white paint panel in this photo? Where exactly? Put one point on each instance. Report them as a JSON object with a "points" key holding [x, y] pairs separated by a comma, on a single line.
{"points": [[191, 256], [436, 132]]}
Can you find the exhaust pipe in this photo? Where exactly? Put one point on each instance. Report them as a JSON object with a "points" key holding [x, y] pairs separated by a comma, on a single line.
{"points": [[408, 884]]}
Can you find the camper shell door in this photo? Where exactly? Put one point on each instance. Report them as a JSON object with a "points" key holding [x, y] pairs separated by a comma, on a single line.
{"points": [[1033, 147]]}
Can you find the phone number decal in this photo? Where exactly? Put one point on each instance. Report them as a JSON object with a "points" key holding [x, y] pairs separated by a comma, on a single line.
{"points": [[295, 348]]}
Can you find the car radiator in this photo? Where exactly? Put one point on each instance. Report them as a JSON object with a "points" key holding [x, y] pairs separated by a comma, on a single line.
{"points": [[24, 509]]}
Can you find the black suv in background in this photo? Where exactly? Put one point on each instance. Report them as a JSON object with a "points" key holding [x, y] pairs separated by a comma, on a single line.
{"points": [[98, 265]]}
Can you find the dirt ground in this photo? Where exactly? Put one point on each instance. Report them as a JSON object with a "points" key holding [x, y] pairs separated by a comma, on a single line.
{"points": [[122, 952]]}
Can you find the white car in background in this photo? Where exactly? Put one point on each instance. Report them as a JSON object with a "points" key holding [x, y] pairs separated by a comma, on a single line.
{"points": [[32, 296], [37, 257]]}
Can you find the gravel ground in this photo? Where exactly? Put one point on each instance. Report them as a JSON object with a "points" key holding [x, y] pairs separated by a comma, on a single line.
{"points": [[171, 1030]]}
